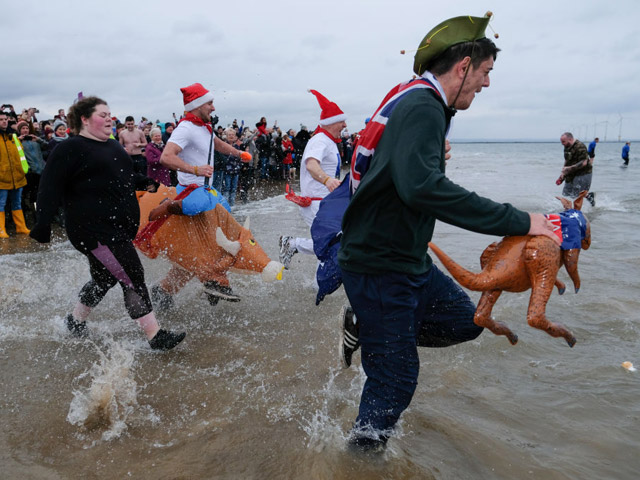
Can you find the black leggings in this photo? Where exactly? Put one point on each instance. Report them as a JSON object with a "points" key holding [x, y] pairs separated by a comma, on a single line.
{"points": [[117, 263]]}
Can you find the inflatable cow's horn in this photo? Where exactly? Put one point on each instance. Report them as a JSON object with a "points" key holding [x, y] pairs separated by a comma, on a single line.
{"points": [[221, 239]]}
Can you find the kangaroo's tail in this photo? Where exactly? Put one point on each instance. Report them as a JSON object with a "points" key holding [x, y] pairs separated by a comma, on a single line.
{"points": [[478, 282]]}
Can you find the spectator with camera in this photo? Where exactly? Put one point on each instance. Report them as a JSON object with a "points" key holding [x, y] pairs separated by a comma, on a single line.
{"points": [[9, 111]]}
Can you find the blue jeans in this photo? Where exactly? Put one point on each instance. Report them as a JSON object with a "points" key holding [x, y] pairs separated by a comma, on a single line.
{"points": [[229, 187], [216, 180], [264, 161], [398, 313], [15, 199]]}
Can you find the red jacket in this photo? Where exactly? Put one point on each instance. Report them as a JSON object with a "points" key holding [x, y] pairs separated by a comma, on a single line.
{"points": [[287, 147]]}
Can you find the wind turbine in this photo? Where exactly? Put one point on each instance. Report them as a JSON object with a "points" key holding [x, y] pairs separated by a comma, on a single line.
{"points": [[620, 130]]}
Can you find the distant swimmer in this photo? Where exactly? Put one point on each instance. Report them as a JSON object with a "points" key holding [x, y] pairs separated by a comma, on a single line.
{"points": [[625, 153], [592, 149]]}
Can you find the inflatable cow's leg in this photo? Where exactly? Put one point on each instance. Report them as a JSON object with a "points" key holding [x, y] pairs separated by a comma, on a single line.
{"points": [[175, 280]]}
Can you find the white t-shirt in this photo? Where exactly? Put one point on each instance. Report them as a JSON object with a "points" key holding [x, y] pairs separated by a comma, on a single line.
{"points": [[194, 141], [325, 150]]}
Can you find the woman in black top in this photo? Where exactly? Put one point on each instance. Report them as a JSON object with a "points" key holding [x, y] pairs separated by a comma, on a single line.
{"points": [[92, 176]]}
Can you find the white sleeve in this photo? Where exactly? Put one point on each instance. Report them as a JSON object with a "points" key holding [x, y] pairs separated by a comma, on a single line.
{"points": [[180, 136], [315, 150]]}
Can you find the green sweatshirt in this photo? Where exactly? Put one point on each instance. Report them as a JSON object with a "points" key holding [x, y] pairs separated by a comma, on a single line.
{"points": [[391, 217]]}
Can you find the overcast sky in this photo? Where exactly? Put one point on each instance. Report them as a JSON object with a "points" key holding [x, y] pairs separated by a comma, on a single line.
{"points": [[564, 65]]}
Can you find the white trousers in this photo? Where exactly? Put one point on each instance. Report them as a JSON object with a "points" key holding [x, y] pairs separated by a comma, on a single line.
{"points": [[305, 245]]}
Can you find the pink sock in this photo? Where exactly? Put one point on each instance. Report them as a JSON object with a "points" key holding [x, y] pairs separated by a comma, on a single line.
{"points": [[81, 312], [149, 325]]}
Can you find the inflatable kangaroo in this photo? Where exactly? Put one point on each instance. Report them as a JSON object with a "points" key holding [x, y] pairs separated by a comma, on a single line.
{"points": [[518, 263]]}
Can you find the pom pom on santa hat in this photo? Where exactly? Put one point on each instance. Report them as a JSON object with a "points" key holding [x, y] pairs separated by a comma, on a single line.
{"points": [[195, 96], [331, 112]]}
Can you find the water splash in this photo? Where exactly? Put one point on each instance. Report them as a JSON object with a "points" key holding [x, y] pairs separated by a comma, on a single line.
{"points": [[111, 397], [321, 428]]}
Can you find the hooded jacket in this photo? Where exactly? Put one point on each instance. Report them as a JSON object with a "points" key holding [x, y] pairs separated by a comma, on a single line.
{"points": [[12, 175]]}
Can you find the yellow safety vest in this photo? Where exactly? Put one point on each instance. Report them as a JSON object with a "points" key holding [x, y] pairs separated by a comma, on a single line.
{"points": [[23, 157]]}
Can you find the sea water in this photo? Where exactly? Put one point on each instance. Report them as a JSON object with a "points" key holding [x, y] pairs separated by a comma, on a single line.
{"points": [[256, 389]]}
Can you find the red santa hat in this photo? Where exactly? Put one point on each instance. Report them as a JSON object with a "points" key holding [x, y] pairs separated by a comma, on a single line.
{"points": [[195, 96], [331, 112]]}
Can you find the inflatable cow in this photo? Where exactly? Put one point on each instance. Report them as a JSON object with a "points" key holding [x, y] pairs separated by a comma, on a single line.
{"points": [[206, 246]]}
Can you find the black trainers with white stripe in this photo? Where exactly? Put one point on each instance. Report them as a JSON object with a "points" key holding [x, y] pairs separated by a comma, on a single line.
{"points": [[214, 289], [287, 250], [349, 333]]}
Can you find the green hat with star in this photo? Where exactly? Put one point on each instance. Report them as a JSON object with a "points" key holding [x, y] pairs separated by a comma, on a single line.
{"points": [[446, 34]]}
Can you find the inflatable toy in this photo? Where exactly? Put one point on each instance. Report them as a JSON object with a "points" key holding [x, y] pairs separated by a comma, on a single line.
{"points": [[206, 246], [519, 263]]}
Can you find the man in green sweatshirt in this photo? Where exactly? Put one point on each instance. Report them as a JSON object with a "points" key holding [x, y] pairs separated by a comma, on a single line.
{"points": [[400, 299]]}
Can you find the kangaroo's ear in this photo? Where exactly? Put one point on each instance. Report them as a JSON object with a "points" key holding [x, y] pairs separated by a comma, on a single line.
{"points": [[566, 204], [577, 203]]}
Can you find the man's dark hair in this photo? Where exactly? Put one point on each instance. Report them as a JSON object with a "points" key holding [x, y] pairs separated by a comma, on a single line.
{"points": [[129, 119], [479, 51], [82, 108]]}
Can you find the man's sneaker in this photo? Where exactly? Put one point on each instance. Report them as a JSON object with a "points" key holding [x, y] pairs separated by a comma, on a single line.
{"points": [[366, 445], [591, 196], [349, 333], [287, 250], [77, 329], [166, 340], [161, 299], [213, 288]]}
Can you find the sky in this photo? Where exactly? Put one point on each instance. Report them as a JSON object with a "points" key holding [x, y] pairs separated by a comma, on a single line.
{"points": [[563, 66]]}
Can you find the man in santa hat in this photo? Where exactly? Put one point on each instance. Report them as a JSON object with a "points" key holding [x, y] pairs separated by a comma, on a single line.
{"points": [[187, 152], [319, 173]]}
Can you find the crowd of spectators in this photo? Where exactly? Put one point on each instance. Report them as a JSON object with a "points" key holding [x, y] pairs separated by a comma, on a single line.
{"points": [[276, 153]]}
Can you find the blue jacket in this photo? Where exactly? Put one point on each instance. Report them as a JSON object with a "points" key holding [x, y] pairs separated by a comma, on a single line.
{"points": [[33, 153], [625, 152]]}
